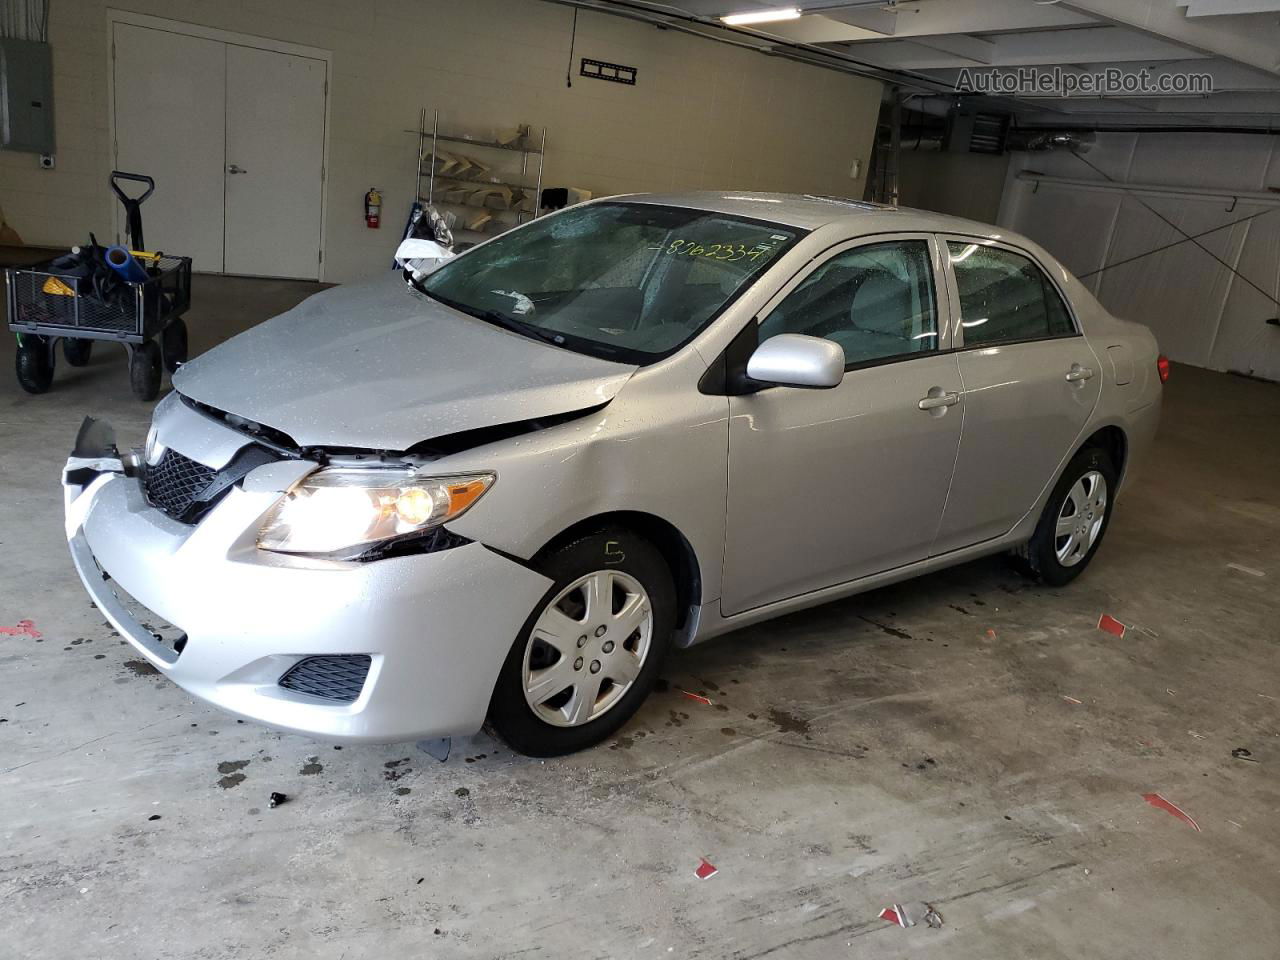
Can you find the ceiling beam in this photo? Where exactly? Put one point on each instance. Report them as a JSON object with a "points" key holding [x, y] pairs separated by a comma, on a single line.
{"points": [[1255, 44]]}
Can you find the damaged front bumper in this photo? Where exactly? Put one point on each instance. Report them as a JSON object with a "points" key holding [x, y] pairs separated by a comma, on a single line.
{"points": [[435, 628]]}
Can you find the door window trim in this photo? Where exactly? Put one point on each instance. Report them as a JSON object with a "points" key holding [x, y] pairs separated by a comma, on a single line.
{"points": [[953, 293]]}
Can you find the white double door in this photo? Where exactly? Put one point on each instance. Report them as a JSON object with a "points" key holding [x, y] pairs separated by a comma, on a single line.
{"points": [[234, 137]]}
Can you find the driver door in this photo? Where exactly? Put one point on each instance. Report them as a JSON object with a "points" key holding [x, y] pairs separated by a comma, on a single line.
{"points": [[827, 486]]}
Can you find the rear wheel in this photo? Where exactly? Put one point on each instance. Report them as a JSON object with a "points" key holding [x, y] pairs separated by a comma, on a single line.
{"points": [[76, 350], [589, 653], [173, 340], [33, 363], [144, 370], [1074, 520]]}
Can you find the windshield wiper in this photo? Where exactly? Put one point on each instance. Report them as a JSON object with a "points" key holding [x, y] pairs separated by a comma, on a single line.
{"points": [[499, 319]]}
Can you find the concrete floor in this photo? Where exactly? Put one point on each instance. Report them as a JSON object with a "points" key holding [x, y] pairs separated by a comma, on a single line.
{"points": [[912, 744]]}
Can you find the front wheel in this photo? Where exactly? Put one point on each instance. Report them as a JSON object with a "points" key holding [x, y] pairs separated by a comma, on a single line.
{"points": [[1074, 520], [77, 350], [173, 342], [144, 370], [590, 651], [33, 363]]}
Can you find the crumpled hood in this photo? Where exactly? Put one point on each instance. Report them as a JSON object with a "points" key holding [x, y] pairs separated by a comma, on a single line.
{"points": [[380, 366]]}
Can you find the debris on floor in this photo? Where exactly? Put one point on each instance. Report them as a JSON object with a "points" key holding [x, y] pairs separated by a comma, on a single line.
{"points": [[1072, 700], [911, 914], [23, 628], [1158, 801], [277, 799], [1110, 624], [706, 870], [1241, 753], [695, 696], [438, 748], [1251, 571]]}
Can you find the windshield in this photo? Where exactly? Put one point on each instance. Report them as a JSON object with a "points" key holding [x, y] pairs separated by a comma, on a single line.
{"points": [[624, 281]]}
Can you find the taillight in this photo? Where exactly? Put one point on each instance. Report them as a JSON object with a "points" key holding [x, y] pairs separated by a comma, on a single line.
{"points": [[1162, 366]]}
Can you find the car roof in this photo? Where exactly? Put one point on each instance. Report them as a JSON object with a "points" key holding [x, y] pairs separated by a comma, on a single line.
{"points": [[811, 211]]}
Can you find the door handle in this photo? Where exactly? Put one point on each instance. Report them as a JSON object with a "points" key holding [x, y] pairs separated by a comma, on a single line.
{"points": [[1078, 373], [235, 168], [935, 400]]}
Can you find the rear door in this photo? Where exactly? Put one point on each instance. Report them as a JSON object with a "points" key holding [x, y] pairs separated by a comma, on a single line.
{"points": [[1031, 381], [826, 486]]}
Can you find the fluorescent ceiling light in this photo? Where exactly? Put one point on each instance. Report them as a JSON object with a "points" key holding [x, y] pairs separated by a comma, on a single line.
{"points": [[761, 16]]}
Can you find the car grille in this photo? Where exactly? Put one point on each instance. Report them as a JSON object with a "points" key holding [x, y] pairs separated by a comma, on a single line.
{"points": [[338, 678], [174, 483]]}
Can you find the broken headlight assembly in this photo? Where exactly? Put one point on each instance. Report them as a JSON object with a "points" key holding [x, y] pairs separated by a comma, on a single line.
{"points": [[344, 511]]}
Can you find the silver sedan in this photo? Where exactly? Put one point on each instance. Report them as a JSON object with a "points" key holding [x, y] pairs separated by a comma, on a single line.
{"points": [[504, 489]]}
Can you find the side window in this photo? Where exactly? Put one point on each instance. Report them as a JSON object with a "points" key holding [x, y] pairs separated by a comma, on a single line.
{"points": [[1004, 296], [876, 301]]}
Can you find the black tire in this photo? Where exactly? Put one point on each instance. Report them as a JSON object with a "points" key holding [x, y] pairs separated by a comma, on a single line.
{"points": [[173, 342], [76, 351], [510, 716], [144, 370], [1039, 556], [33, 363]]}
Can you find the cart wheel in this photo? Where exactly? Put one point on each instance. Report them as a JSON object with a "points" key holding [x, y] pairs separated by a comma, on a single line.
{"points": [[173, 342], [144, 370], [77, 350], [34, 364]]}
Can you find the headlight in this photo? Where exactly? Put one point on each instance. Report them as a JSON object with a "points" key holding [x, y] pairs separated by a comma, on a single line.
{"points": [[342, 507]]}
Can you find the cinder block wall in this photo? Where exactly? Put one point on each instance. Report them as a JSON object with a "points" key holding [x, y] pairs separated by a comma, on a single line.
{"points": [[703, 115]]}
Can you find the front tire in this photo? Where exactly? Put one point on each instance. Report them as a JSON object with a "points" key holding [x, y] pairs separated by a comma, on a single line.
{"points": [[33, 363], [144, 370], [173, 344], [77, 350], [592, 648], [1074, 520]]}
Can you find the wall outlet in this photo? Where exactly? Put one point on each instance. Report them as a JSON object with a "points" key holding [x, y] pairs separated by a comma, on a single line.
{"points": [[47, 161]]}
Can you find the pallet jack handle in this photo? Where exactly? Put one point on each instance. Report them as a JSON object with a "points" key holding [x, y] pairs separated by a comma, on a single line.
{"points": [[132, 205]]}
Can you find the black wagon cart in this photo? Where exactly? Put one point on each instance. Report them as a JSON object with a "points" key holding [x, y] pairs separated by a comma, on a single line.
{"points": [[124, 295]]}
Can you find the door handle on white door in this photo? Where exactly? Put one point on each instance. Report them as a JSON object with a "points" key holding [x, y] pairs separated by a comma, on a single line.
{"points": [[1078, 373], [936, 399], [235, 168]]}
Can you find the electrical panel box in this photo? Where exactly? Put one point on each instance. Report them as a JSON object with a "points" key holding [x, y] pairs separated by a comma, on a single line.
{"points": [[26, 96]]}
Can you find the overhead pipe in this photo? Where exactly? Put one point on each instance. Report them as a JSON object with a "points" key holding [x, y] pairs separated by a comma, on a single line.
{"points": [[1167, 191]]}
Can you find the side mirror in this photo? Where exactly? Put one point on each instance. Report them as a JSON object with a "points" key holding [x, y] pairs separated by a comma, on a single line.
{"points": [[795, 360], [421, 256]]}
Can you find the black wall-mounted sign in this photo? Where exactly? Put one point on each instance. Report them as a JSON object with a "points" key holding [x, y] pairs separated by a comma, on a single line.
{"points": [[599, 70]]}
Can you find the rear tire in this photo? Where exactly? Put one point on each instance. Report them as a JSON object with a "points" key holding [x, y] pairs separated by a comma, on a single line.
{"points": [[144, 370], [575, 673], [173, 341], [1074, 521], [33, 364], [76, 351]]}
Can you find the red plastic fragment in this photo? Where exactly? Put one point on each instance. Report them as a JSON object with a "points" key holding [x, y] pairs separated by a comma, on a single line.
{"points": [[693, 696], [894, 914], [1111, 625], [1158, 801], [706, 870]]}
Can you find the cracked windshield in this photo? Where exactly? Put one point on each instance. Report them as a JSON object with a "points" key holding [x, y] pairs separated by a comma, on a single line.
{"points": [[623, 281]]}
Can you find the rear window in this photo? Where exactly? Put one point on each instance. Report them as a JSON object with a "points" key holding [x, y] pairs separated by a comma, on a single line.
{"points": [[1005, 296]]}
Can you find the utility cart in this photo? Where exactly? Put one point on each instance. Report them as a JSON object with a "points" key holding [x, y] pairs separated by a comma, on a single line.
{"points": [[126, 296]]}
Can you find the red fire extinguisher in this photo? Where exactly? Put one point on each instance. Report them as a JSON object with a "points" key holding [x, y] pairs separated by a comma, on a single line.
{"points": [[372, 208]]}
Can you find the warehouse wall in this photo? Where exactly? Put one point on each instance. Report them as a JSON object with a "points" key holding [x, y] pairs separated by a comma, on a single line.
{"points": [[703, 115], [1200, 312], [961, 184]]}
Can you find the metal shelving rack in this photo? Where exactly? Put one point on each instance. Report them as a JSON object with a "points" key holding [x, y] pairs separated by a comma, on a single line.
{"points": [[435, 137]]}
